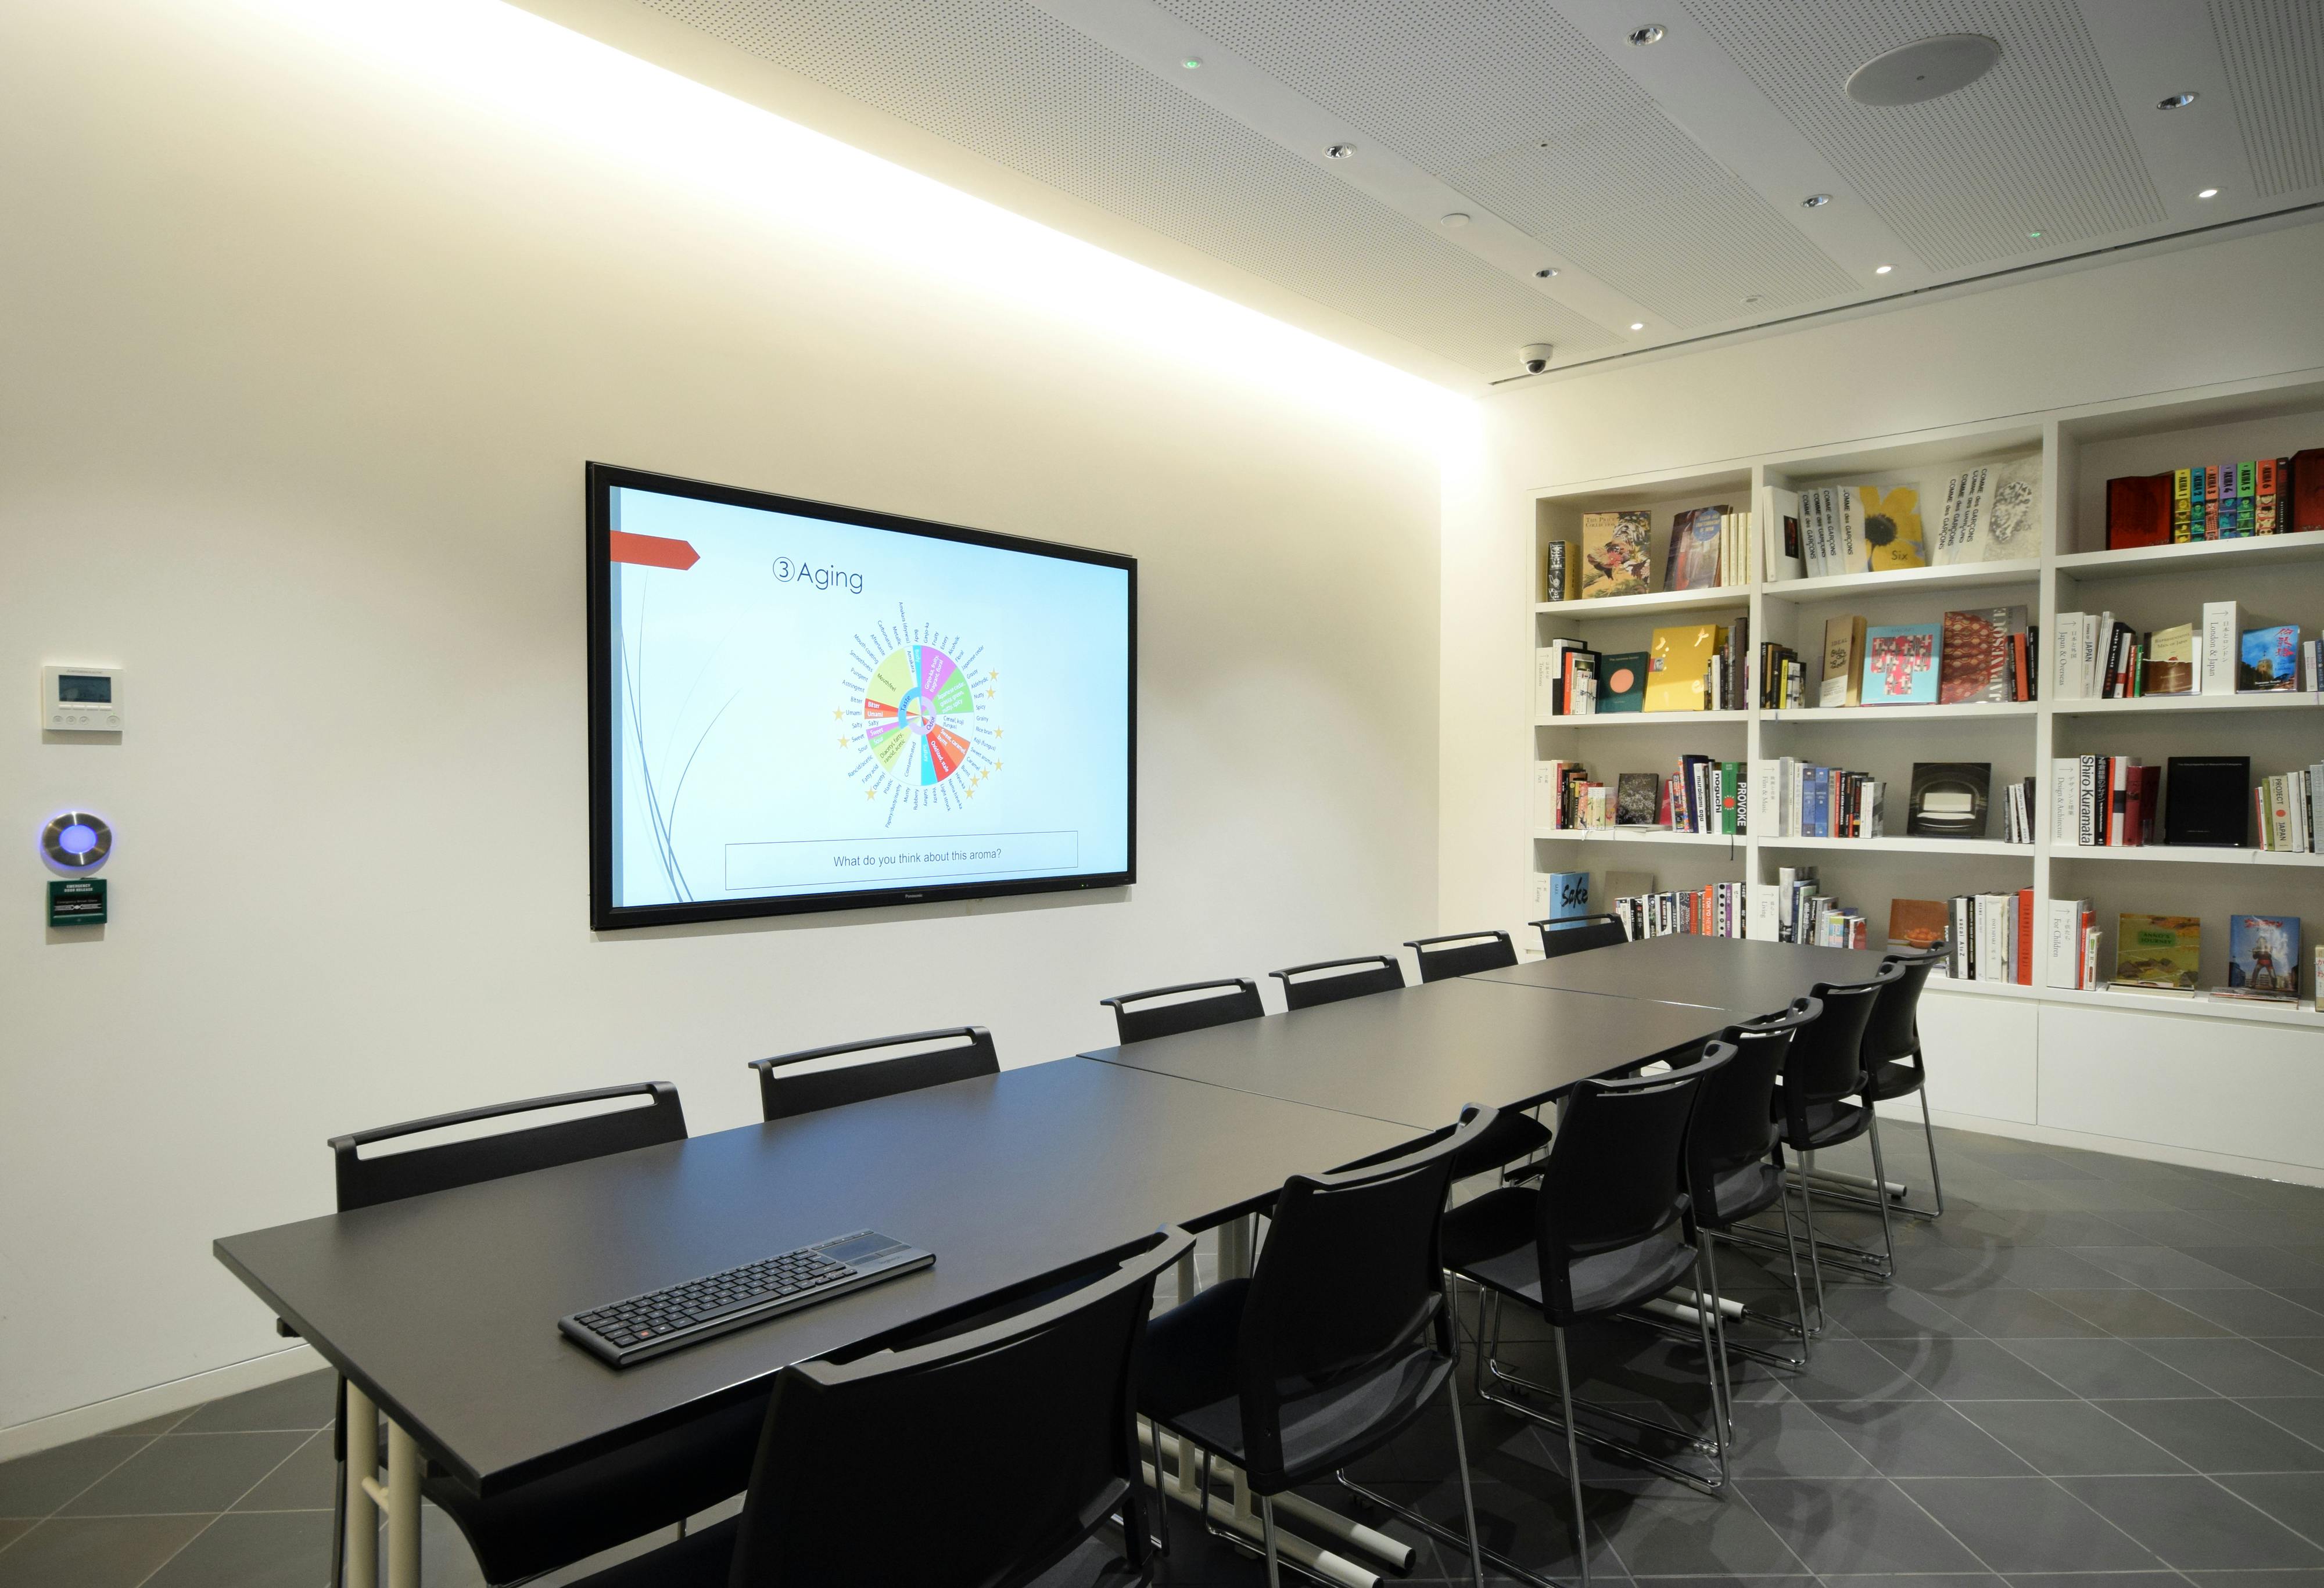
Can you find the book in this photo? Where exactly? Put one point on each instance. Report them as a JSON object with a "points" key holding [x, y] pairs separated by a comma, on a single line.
{"points": [[1900, 664], [1569, 895], [1638, 799], [2270, 659], [1622, 681], [1613, 548], [1916, 924], [2222, 642], [1948, 799], [2158, 954], [1892, 538], [1677, 664], [1843, 663], [1692, 560], [2303, 483], [2138, 510], [2173, 661], [2179, 506], [2263, 958], [2263, 497], [2072, 925], [2013, 522], [1960, 526], [1977, 660], [1781, 538], [2206, 801], [1557, 571]]}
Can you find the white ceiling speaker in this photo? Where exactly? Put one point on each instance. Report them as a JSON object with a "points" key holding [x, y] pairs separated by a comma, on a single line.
{"points": [[1926, 69]]}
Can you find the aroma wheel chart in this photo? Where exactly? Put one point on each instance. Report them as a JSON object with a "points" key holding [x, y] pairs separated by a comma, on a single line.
{"points": [[922, 704]]}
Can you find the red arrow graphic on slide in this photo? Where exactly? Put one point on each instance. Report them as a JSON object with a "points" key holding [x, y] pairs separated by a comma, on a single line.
{"points": [[653, 551]]}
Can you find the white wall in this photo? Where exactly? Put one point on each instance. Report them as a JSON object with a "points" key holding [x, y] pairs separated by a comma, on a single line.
{"points": [[302, 364], [2151, 323]]}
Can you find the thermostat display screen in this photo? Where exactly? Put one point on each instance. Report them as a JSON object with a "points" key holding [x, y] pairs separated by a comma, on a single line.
{"points": [[83, 689]]}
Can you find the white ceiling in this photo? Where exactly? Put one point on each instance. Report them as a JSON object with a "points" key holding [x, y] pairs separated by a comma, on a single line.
{"points": [[1663, 183]]}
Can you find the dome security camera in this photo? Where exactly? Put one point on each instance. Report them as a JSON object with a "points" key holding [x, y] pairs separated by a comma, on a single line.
{"points": [[1535, 356]]}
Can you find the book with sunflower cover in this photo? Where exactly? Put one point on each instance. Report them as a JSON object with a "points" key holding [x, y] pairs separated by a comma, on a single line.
{"points": [[1892, 538]]}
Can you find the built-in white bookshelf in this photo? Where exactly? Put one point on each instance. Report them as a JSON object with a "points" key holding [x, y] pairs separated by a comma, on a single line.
{"points": [[2029, 1058]]}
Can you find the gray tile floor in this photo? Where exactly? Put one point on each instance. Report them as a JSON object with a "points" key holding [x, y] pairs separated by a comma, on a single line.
{"points": [[2094, 1372]]}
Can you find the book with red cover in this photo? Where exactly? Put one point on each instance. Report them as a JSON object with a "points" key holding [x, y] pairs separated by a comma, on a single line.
{"points": [[2138, 511], [2025, 937], [1975, 663], [2150, 802], [2134, 808], [2306, 489]]}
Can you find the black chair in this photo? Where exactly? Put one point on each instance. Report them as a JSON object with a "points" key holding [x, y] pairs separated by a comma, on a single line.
{"points": [[984, 1448], [1334, 979], [1735, 1156], [785, 1090], [655, 1482], [1609, 1227], [1893, 1056], [1168, 1020], [1576, 934], [1462, 954], [1825, 1101], [1335, 1343]]}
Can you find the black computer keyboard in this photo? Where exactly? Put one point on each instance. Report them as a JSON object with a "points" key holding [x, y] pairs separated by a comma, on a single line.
{"points": [[623, 1332]]}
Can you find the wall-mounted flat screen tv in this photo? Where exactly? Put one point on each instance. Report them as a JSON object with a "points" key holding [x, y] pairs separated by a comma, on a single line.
{"points": [[798, 706]]}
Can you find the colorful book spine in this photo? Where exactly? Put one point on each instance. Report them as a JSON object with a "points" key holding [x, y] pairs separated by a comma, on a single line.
{"points": [[2180, 499], [2264, 490], [2246, 500], [2198, 482]]}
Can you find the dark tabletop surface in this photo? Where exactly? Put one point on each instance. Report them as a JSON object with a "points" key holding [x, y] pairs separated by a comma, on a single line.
{"points": [[1415, 1057], [444, 1307], [1758, 978]]}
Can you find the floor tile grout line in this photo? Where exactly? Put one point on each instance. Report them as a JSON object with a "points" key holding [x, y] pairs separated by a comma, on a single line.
{"points": [[219, 1515]]}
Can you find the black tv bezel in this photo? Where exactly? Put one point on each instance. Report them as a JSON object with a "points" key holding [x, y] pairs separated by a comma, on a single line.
{"points": [[604, 915]]}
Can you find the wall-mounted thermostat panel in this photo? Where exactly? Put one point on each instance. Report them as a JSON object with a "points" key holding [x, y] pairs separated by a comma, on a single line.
{"points": [[81, 700]]}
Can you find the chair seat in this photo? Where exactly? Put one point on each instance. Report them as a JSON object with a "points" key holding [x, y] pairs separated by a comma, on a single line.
{"points": [[1189, 1388], [1491, 1241], [1739, 1193], [1895, 1078], [1829, 1123], [1512, 1135], [622, 1495]]}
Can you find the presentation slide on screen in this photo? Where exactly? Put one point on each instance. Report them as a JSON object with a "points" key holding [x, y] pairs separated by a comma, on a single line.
{"points": [[807, 707]]}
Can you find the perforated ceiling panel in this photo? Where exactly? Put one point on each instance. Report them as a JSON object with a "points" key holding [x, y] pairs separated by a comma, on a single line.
{"points": [[1015, 85], [2038, 145], [1508, 103], [2275, 56]]}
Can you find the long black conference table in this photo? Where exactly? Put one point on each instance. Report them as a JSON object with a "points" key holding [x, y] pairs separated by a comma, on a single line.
{"points": [[441, 1309], [1730, 973], [1417, 1056]]}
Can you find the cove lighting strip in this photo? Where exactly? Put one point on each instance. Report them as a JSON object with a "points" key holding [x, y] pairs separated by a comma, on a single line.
{"points": [[496, 58]]}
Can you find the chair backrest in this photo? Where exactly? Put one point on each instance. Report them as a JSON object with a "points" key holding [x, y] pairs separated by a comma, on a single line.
{"points": [[877, 1467], [1577, 932], [1613, 1176], [1826, 1063], [1239, 1002], [1733, 1123], [363, 1182], [1348, 1276], [1894, 1032], [1331, 980], [785, 1090], [1462, 954]]}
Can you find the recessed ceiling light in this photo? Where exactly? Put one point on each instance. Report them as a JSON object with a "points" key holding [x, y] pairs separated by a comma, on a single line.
{"points": [[2209, 193], [1339, 151], [1456, 220], [1924, 70], [1652, 33], [1637, 325], [1192, 63], [2176, 101], [1546, 272], [1815, 201], [1882, 269], [2032, 234]]}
